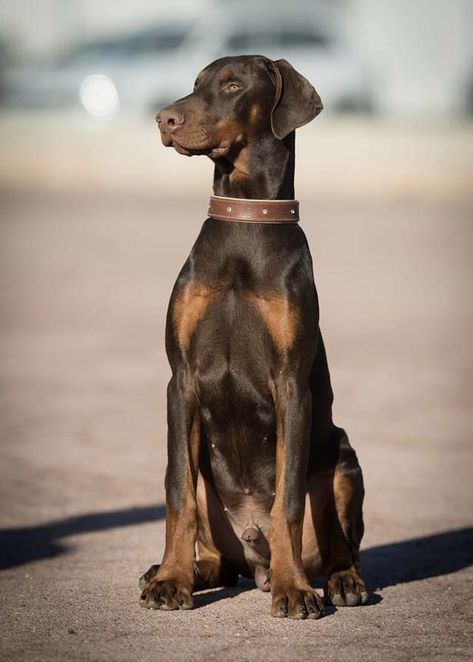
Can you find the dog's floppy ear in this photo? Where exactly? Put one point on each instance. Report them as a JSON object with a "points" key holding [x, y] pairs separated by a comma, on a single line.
{"points": [[296, 102]]}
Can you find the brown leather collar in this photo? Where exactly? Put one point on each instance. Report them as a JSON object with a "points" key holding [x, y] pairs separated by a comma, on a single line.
{"points": [[253, 211]]}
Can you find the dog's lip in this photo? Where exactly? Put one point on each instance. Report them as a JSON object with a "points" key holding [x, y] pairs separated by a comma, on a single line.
{"points": [[214, 152], [221, 150], [179, 149]]}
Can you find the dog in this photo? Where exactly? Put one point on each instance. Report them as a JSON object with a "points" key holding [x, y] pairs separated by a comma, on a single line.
{"points": [[259, 478]]}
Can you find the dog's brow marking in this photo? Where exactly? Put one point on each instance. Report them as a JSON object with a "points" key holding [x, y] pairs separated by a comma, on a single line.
{"points": [[281, 319], [189, 307], [225, 75]]}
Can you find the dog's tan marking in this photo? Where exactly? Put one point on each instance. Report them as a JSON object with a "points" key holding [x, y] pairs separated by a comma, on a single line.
{"points": [[255, 113], [225, 75], [241, 166], [288, 578], [228, 129], [189, 308], [181, 527], [281, 319]]}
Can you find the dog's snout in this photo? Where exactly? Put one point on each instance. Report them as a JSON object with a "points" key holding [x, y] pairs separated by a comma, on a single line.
{"points": [[169, 119]]}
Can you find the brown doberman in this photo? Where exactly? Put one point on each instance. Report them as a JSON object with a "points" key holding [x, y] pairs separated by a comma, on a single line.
{"points": [[258, 475]]}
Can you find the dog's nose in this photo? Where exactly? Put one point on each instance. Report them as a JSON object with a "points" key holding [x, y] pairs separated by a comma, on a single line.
{"points": [[169, 119]]}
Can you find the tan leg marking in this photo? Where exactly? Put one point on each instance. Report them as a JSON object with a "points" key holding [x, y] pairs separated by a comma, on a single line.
{"points": [[171, 588], [181, 526], [292, 595]]}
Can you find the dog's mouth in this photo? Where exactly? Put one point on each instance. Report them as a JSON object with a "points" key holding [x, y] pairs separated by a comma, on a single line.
{"points": [[213, 151]]}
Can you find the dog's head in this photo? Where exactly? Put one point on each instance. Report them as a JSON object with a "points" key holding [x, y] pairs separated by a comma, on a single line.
{"points": [[234, 100]]}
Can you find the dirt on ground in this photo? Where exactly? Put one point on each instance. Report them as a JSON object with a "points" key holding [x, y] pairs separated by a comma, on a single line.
{"points": [[84, 283]]}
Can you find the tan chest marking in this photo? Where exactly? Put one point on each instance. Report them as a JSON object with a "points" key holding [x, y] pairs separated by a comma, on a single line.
{"points": [[189, 308], [281, 319]]}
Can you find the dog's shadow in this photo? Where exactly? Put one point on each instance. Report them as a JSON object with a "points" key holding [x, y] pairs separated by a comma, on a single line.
{"points": [[208, 597], [417, 558]]}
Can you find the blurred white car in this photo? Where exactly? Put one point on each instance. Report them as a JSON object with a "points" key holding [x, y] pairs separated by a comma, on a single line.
{"points": [[149, 69]]}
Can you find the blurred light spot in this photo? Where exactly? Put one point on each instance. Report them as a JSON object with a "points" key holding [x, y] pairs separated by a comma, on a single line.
{"points": [[99, 96]]}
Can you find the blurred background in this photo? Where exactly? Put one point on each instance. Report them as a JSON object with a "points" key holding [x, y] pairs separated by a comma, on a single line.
{"points": [[96, 219], [81, 81]]}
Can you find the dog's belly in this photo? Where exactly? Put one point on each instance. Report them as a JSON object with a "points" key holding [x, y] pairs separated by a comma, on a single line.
{"points": [[239, 453], [232, 362], [233, 374], [238, 423], [223, 531]]}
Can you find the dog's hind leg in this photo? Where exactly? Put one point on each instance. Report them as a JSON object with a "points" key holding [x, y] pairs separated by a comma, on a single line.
{"points": [[213, 570], [333, 525]]}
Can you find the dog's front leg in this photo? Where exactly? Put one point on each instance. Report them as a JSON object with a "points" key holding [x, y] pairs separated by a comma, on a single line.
{"points": [[292, 595], [171, 587]]}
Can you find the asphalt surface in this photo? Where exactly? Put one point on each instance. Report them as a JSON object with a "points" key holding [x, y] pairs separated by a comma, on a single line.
{"points": [[84, 285]]}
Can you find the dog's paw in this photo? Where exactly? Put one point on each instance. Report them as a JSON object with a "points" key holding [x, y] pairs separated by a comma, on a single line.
{"points": [[148, 576], [167, 595], [292, 602], [345, 589]]}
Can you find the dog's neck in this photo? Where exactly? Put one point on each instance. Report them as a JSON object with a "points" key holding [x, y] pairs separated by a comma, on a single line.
{"points": [[263, 169]]}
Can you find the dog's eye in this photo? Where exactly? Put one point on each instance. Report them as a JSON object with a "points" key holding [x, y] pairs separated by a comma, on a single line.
{"points": [[196, 83], [233, 87]]}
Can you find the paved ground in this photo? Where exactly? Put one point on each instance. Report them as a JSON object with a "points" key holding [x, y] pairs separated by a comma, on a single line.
{"points": [[84, 283]]}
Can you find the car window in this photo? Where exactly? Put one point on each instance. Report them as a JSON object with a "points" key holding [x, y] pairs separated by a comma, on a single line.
{"points": [[300, 38], [253, 41], [238, 41], [161, 39]]}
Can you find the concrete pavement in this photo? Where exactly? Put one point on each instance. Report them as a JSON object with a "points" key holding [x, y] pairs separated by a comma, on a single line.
{"points": [[84, 284]]}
